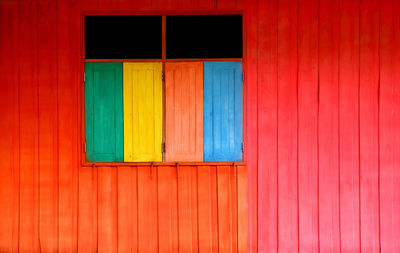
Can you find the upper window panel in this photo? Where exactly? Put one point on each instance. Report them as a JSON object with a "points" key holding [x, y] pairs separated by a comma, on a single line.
{"points": [[204, 36], [123, 37]]}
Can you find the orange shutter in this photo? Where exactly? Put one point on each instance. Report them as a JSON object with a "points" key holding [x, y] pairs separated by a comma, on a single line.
{"points": [[184, 112]]}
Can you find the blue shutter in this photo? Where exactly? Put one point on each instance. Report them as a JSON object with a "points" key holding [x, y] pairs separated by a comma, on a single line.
{"points": [[223, 111], [103, 112]]}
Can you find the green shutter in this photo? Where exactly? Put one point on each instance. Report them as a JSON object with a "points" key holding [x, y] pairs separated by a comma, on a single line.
{"points": [[103, 112]]}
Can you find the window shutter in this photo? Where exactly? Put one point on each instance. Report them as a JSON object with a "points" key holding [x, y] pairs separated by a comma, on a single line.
{"points": [[103, 112], [142, 112], [223, 111], [184, 112]]}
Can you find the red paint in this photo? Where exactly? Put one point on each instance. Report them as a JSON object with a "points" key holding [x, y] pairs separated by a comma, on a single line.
{"points": [[321, 137]]}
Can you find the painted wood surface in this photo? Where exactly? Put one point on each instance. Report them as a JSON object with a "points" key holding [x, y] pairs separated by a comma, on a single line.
{"points": [[103, 112], [143, 113], [184, 112], [346, 166], [223, 111]]}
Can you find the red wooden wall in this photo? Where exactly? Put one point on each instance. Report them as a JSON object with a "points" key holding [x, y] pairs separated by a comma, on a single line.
{"points": [[322, 144]]}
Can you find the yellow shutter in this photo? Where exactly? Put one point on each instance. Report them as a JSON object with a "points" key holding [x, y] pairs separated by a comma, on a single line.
{"points": [[142, 112]]}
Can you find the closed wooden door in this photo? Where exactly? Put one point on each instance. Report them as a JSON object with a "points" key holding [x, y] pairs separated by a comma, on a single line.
{"points": [[184, 112], [103, 112], [223, 111], [143, 112]]}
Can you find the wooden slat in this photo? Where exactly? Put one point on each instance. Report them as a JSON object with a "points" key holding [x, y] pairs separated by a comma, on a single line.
{"points": [[48, 125], [308, 125], [227, 232], [187, 210], [388, 124], [29, 208], [107, 209], [127, 209], [348, 126], [67, 131], [328, 128], [207, 204], [287, 125], [243, 209], [147, 209], [369, 86], [267, 127], [167, 209], [9, 128], [87, 221], [250, 126]]}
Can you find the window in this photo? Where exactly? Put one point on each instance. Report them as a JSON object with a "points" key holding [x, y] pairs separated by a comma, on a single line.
{"points": [[176, 98]]}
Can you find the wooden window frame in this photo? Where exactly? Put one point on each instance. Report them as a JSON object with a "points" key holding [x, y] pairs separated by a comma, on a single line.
{"points": [[163, 14]]}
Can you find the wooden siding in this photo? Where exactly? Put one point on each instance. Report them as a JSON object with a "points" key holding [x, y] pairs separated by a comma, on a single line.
{"points": [[322, 128]]}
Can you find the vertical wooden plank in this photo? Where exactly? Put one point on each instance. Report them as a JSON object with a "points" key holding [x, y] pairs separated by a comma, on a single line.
{"points": [[348, 126], [9, 128], [251, 116], [147, 209], [187, 213], [167, 209], [194, 207], [104, 112], [388, 145], [87, 220], [243, 209], [107, 209], [67, 130], [308, 125], [184, 112], [204, 197], [396, 137], [127, 209], [329, 209], [48, 125], [369, 86], [142, 112], [76, 113], [287, 127], [29, 209], [207, 212], [226, 210], [267, 127]]}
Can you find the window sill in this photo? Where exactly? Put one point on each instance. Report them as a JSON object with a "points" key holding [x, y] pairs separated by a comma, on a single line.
{"points": [[133, 164]]}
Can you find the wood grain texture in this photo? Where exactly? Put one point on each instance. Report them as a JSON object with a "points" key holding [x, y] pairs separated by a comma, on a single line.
{"points": [[9, 130], [48, 131], [104, 129], [388, 127], [142, 112], [184, 112], [348, 126], [328, 128], [347, 138], [308, 126], [369, 125], [287, 127]]}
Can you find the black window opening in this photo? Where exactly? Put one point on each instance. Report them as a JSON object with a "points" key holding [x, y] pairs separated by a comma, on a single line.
{"points": [[204, 36], [140, 37], [123, 37]]}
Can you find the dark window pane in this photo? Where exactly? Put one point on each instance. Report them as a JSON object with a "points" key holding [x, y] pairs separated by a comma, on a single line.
{"points": [[123, 37], [204, 36]]}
